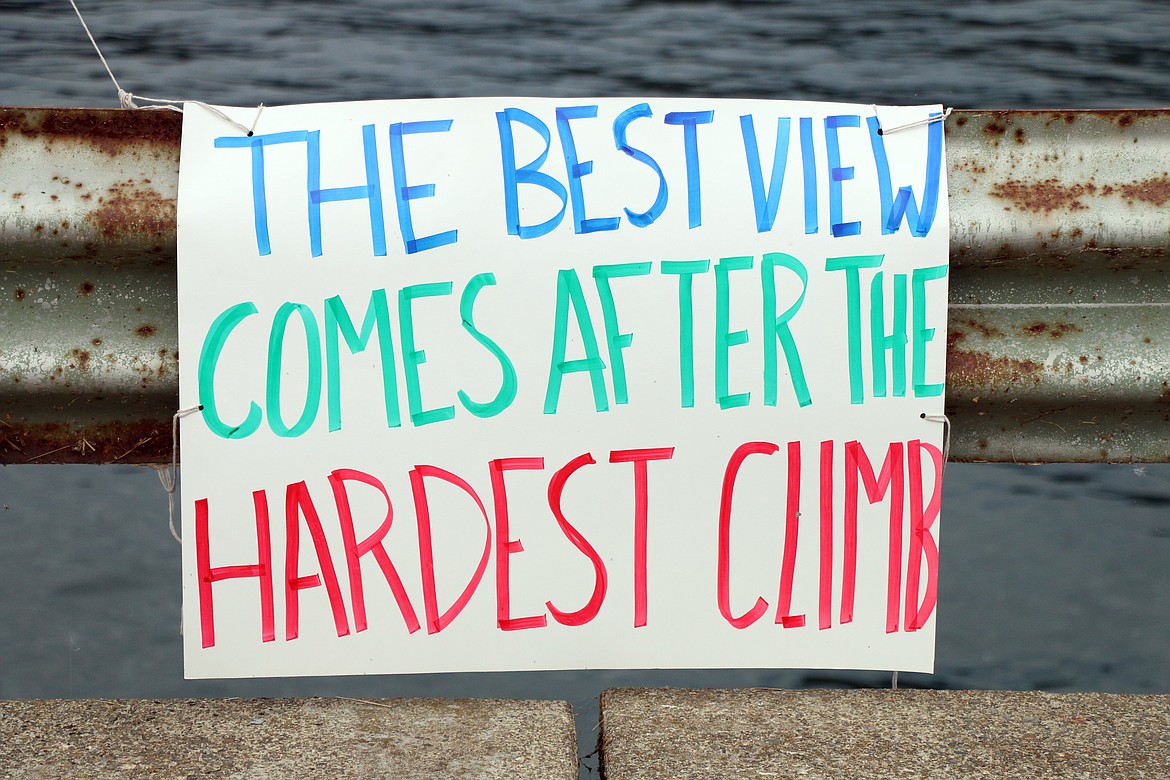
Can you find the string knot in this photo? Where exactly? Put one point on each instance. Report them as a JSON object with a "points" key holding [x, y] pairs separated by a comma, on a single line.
{"points": [[126, 99]]}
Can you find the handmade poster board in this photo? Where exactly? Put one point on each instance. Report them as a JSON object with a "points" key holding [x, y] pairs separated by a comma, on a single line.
{"points": [[512, 384]]}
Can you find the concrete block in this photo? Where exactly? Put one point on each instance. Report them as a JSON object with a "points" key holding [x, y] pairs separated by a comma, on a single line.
{"points": [[754, 733], [288, 738]]}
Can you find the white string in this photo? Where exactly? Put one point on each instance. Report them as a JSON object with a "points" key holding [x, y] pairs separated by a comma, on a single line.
{"points": [[946, 421], [894, 682], [256, 121], [883, 130], [173, 105], [168, 477], [126, 99]]}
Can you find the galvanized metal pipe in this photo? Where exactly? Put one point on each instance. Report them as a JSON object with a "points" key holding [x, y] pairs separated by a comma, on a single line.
{"points": [[1058, 346], [1059, 339]]}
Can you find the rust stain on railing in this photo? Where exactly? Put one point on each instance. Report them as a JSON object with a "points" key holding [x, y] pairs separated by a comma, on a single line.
{"points": [[134, 208], [88, 185], [1044, 196], [112, 131], [141, 441], [1153, 191], [991, 373]]}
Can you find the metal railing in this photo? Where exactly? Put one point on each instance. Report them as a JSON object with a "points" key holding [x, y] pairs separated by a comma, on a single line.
{"points": [[1058, 344]]}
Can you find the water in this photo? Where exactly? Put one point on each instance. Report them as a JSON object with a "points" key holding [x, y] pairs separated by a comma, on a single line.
{"points": [[1053, 578], [986, 53]]}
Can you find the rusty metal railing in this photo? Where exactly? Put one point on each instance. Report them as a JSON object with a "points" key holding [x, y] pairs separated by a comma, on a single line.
{"points": [[1059, 338]]}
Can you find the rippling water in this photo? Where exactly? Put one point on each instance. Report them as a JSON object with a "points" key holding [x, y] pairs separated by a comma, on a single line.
{"points": [[975, 54], [1054, 578]]}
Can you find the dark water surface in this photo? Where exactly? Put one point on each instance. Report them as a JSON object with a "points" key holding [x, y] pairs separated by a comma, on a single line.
{"points": [[985, 53], [1054, 578]]}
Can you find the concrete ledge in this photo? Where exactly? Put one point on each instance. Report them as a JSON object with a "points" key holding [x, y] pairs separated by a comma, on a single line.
{"points": [[698, 734], [288, 738]]}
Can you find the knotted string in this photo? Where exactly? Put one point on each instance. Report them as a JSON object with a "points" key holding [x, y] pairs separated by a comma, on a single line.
{"points": [[883, 130], [126, 99]]}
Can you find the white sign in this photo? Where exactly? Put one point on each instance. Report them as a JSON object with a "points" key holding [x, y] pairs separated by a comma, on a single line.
{"points": [[514, 384]]}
